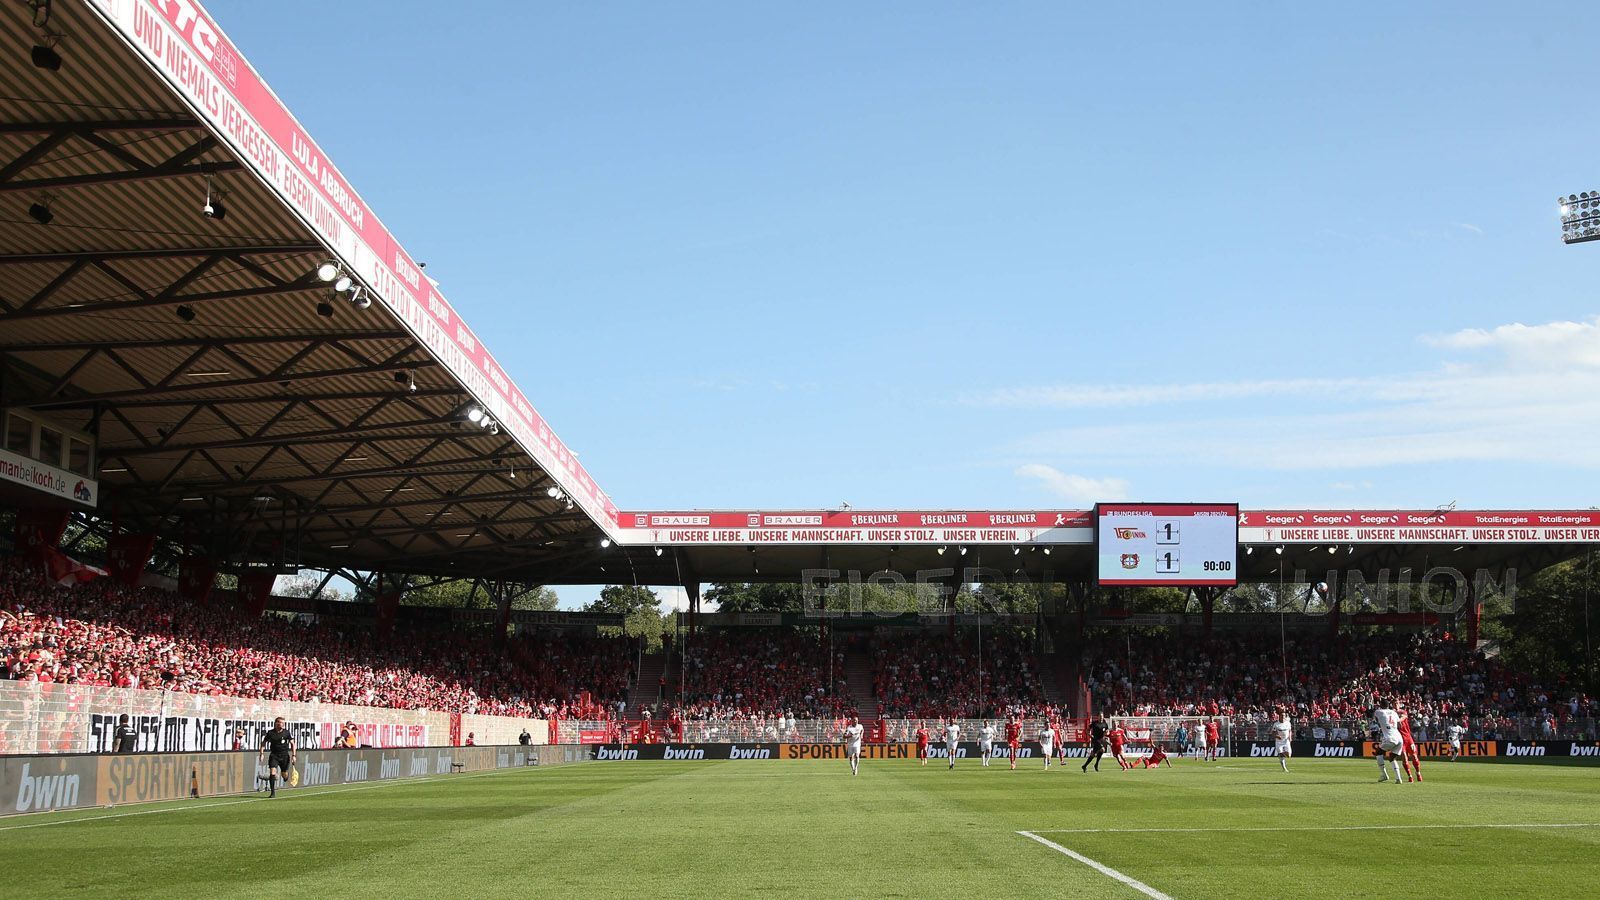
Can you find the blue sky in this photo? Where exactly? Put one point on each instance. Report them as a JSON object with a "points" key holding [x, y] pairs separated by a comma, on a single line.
{"points": [[1034, 255]]}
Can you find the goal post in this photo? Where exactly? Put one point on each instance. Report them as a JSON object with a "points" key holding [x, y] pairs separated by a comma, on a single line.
{"points": [[1175, 735]]}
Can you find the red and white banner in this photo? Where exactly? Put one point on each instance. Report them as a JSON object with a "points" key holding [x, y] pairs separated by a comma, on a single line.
{"points": [[852, 527], [183, 43], [1280, 526], [841, 527]]}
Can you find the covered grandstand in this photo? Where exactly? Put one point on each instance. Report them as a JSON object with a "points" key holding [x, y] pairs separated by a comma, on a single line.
{"points": [[276, 385]]}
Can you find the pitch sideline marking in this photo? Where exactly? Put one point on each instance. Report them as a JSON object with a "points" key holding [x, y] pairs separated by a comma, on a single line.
{"points": [[290, 796], [1105, 870], [1448, 825]]}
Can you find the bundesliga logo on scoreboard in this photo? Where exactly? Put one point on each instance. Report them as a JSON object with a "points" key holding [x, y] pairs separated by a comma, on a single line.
{"points": [[1129, 534], [1130, 560]]}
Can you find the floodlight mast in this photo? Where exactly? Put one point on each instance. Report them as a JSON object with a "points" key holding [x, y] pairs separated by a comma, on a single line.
{"points": [[1580, 217]]}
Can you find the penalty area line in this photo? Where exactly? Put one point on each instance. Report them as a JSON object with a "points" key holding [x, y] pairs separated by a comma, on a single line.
{"points": [[1105, 870], [1446, 825]]}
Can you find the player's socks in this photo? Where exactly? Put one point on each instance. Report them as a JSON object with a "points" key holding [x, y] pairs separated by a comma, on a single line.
{"points": [[1283, 761], [272, 784]]}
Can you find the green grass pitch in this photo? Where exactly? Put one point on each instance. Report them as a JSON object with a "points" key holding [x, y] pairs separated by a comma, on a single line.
{"points": [[808, 829]]}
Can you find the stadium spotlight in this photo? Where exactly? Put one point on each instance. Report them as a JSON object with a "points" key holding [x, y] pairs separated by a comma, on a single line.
{"points": [[941, 551], [1047, 551], [40, 211], [360, 299], [1331, 550], [474, 414], [605, 543], [1249, 550], [325, 309], [344, 283], [1580, 217], [963, 551], [185, 313], [494, 427], [1016, 551], [553, 493], [1279, 550], [328, 271], [659, 551], [405, 377]]}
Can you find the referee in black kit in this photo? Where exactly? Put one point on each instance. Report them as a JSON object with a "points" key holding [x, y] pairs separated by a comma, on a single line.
{"points": [[277, 746]]}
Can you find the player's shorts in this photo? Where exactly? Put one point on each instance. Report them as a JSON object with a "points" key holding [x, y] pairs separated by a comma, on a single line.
{"points": [[950, 749], [1391, 746], [1456, 746], [280, 761], [1410, 748], [1048, 747], [1097, 749], [922, 750], [852, 749], [986, 747], [1282, 747], [1014, 745], [1116, 749]]}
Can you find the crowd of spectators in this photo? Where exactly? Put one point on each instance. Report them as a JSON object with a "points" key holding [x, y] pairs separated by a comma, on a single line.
{"points": [[932, 677], [1325, 683], [105, 634], [756, 676]]}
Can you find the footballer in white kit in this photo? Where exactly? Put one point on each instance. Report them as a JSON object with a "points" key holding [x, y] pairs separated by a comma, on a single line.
{"points": [[952, 738], [1386, 722], [852, 744], [986, 742], [1047, 741], [1281, 732], [1456, 731]]}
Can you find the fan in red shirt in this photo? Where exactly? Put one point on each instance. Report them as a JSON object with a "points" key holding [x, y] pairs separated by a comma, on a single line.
{"points": [[922, 742], [1117, 736], [1013, 738], [1409, 757], [1213, 735]]}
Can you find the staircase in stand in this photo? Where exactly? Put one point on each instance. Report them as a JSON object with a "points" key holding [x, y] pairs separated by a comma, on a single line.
{"points": [[858, 674], [646, 690]]}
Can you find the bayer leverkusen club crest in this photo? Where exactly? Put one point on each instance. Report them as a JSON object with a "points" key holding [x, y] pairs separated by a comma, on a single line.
{"points": [[1130, 560]]}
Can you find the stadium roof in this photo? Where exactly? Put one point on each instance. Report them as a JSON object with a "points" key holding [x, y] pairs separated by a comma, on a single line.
{"points": [[250, 410]]}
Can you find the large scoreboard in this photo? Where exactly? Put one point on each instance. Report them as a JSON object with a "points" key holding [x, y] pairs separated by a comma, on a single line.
{"points": [[1160, 544]]}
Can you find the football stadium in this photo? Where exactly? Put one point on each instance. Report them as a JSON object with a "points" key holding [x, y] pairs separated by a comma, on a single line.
{"points": [[288, 558]]}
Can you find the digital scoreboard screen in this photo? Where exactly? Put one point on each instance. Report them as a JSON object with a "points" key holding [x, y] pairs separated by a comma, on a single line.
{"points": [[1177, 544]]}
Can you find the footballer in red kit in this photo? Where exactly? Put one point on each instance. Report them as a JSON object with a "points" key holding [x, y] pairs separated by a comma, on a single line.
{"points": [[922, 742], [1156, 758], [1213, 736], [1117, 737], [1013, 738], [1409, 757]]}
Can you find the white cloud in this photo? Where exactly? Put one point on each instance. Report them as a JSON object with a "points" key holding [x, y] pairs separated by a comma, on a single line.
{"points": [[1468, 226], [1524, 393], [1074, 488], [1553, 345]]}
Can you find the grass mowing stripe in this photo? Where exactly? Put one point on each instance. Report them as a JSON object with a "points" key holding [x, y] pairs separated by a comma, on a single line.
{"points": [[1314, 828], [292, 794], [1134, 883]]}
